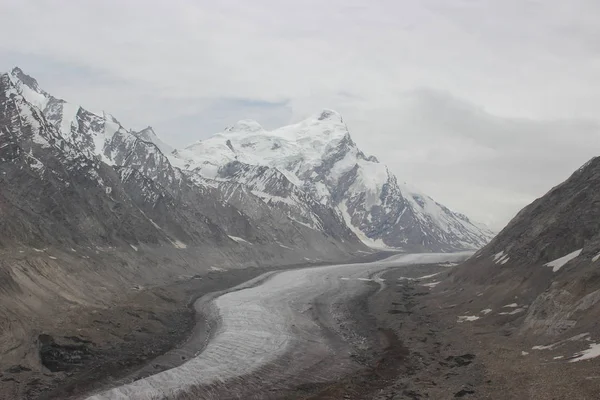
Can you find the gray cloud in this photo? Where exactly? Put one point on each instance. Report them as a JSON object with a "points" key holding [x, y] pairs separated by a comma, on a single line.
{"points": [[511, 86], [491, 166]]}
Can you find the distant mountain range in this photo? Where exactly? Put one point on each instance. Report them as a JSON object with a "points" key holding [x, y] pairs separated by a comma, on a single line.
{"points": [[302, 185]]}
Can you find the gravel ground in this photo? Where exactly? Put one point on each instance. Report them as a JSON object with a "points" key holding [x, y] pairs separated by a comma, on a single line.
{"points": [[397, 337], [416, 360], [431, 355]]}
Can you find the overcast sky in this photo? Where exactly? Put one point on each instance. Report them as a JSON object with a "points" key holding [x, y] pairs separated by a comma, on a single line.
{"points": [[483, 104]]}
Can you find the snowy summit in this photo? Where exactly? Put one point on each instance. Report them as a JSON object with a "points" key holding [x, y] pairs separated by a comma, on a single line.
{"points": [[320, 158]]}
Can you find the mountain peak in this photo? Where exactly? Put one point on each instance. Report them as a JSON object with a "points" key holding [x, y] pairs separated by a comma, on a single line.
{"points": [[148, 130], [17, 71], [26, 79], [319, 158], [245, 126], [110, 117], [330, 115], [148, 135]]}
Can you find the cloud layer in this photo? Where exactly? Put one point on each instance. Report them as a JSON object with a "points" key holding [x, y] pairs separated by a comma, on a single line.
{"points": [[485, 104]]}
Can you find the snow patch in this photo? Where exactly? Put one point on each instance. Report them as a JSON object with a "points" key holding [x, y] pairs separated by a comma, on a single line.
{"points": [[547, 347], [374, 244], [178, 244], [560, 262], [428, 276], [513, 312], [467, 318], [501, 258], [581, 336], [486, 311], [592, 352], [239, 239], [449, 264]]}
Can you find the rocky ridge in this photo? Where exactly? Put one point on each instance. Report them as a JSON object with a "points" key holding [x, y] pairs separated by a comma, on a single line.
{"points": [[545, 262]]}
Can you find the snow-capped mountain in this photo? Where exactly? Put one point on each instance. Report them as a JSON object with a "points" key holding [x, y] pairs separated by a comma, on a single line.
{"points": [[318, 157], [181, 207], [310, 173]]}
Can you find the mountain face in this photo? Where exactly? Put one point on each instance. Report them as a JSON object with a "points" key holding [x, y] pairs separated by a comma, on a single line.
{"points": [[548, 256], [177, 204], [310, 174], [567, 218], [317, 159]]}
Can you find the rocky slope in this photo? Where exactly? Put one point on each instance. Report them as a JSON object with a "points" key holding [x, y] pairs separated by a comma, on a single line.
{"points": [[546, 261]]}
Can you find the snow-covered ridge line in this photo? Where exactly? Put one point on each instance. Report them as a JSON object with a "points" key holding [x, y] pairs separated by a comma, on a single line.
{"points": [[312, 170], [319, 157]]}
